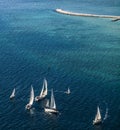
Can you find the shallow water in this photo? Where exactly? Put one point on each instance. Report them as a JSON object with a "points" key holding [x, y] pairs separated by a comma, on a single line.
{"points": [[76, 52]]}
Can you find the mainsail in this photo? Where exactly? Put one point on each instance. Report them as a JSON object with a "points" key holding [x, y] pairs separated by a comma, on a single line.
{"points": [[52, 103], [31, 96], [51, 108], [45, 87], [13, 93], [41, 93], [98, 115], [47, 103], [44, 90], [68, 91]]}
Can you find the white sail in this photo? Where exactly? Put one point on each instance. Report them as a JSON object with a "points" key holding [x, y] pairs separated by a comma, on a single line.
{"points": [[41, 93], [98, 115], [51, 108], [13, 93], [47, 104], [52, 103], [31, 96], [68, 91], [45, 87]]}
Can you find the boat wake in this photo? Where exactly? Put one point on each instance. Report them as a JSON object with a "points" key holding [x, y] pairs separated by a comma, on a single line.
{"points": [[32, 111], [59, 91], [106, 113], [67, 91]]}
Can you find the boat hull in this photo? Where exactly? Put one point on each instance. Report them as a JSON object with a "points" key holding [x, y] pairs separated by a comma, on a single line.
{"points": [[49, 110], [98, 122], [38, 98], [11, 97], [67, 93], [28, 106]]}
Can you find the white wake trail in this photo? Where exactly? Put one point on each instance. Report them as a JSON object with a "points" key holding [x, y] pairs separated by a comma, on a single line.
{"points": [[106, 114]]}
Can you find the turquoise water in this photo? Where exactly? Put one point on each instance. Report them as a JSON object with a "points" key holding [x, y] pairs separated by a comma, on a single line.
{"points": [[76, 52]]}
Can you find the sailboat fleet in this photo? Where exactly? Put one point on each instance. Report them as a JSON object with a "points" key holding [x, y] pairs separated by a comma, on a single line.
{"points": [[50, 106]]}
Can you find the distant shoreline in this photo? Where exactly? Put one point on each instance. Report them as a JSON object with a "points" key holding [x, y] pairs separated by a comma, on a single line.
{"points": [[115, 18]]}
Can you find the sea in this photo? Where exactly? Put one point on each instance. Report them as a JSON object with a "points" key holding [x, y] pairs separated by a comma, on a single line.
{"points": [[80, 53]]}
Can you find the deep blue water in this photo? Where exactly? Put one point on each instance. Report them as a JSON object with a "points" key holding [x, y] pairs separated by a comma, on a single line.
{"points": [[76, 52]]}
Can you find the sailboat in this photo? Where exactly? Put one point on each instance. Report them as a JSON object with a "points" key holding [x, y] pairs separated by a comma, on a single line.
{"points": [[13, 94], [43, 92], [97, 119], [29, 105], [68, 91], [51, 107]]}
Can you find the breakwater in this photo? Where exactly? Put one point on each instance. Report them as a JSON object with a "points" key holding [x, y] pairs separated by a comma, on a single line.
{"points": [[115, 18]]}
